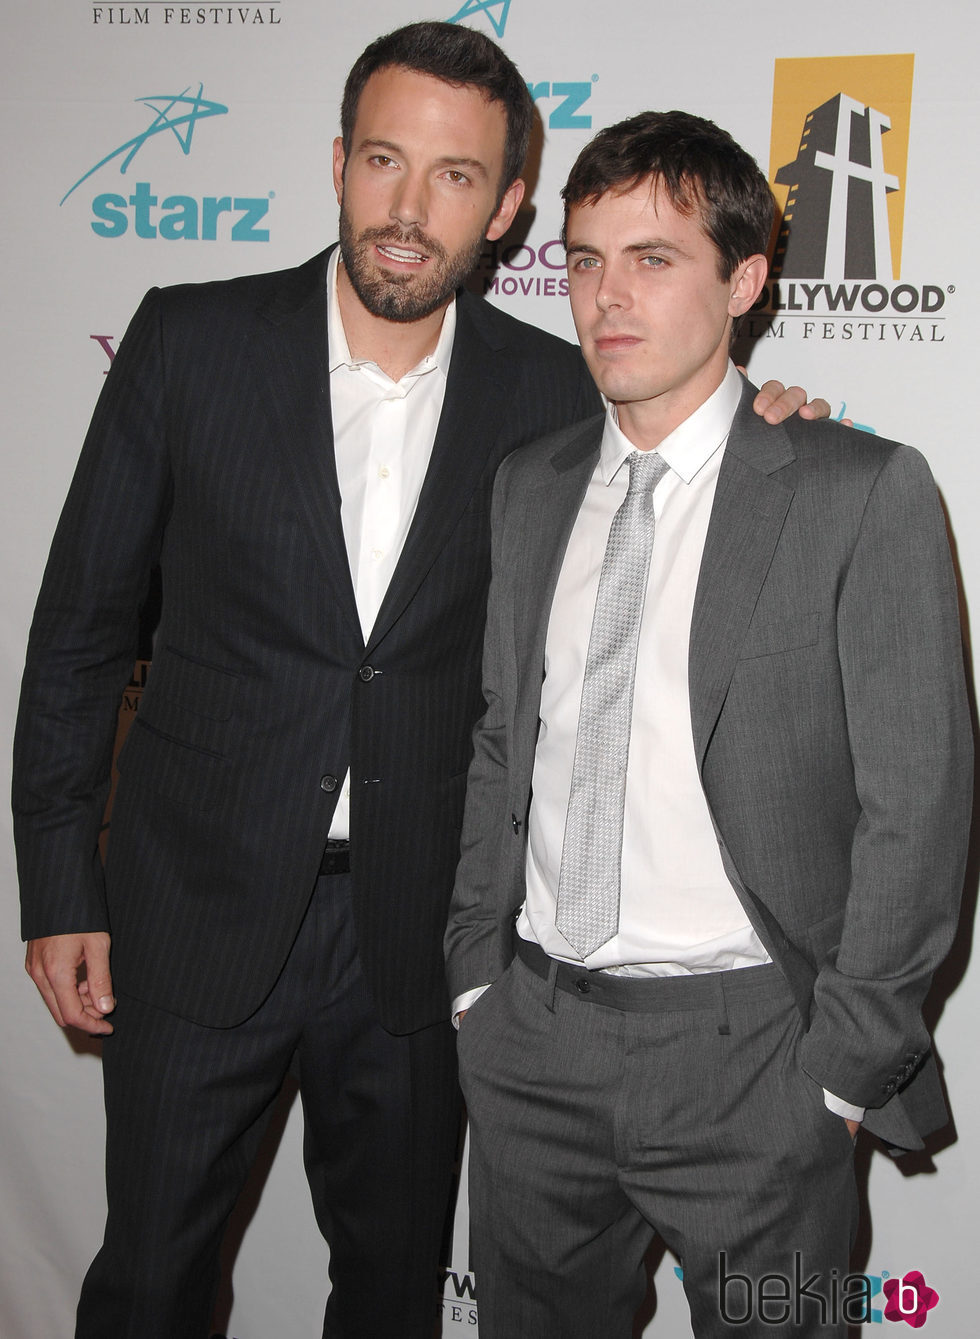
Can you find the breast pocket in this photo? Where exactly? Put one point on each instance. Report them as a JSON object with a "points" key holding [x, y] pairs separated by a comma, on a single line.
{"points": [[776, 636]]}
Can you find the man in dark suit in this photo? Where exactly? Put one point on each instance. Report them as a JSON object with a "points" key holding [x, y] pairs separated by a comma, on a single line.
{"points": [[308, 456], [722, 784]]}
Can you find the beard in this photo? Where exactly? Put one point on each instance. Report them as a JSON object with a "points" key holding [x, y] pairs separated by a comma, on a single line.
{"points": [[404, 297]]}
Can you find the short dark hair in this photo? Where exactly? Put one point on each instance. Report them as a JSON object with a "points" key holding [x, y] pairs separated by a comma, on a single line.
{"points": [[700, 167], [459, 56]]}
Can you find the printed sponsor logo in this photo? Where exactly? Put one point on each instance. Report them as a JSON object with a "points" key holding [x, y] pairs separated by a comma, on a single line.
{"points": [[153, 214], [107, 343], [162, 12], [520, 270], [458, 1305], [495, 11], [838, 170], [560, 101]]}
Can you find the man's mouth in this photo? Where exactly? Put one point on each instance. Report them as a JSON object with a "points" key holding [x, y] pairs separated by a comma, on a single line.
{"points": [[401, 255], [617, 343]]}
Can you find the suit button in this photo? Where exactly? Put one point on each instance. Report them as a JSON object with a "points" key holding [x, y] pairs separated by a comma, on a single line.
{"points": [[328, 783], [582, 985], [365, 673], [515, 823], [889, 1087]]}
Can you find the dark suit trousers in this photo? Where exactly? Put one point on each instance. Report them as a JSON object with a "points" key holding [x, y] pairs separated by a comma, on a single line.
{"points": [[186, 1107], [594, 1125]]}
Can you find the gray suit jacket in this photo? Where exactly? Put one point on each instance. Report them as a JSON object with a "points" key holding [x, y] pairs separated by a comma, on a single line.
{"points": [[830, 725]]}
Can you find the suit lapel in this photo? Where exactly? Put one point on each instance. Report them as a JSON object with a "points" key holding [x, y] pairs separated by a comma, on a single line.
{"points": [[291, 363], [747, 517], [550, 507]]}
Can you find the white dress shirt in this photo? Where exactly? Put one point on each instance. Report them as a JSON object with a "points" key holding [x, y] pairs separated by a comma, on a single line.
{"points": [[383, 432], [678, 910]]}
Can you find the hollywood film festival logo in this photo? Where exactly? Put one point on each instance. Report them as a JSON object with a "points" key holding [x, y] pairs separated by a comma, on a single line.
{"points": [[838, 160], [520, 270], [163, 13]]}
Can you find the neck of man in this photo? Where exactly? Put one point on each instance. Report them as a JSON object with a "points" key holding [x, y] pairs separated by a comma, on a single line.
{"points": [[396, 346], [646, 423]]}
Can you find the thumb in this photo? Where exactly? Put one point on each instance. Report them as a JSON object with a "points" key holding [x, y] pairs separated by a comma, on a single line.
{"points": [[98, 975]]}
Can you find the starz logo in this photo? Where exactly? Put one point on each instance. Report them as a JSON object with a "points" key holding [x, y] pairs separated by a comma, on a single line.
{"points": [[495, 10], [167, 215]]}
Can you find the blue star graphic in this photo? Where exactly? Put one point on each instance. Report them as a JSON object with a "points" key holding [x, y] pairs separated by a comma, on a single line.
{"points": [[194, 108], [475, 7]]}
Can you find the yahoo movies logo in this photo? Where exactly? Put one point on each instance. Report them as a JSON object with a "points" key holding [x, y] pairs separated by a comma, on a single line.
{"points": [[838, 169], [521, 270], [824, 1299], [187, 218]]}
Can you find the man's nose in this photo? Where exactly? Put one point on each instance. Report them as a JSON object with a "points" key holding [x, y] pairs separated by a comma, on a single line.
{"points": [[612, 291], [410, 204]]}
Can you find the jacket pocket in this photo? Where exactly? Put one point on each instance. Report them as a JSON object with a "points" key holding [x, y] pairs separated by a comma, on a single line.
{"points": [[775, 636]]}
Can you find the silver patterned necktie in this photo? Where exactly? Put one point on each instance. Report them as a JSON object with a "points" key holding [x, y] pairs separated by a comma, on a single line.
{"points": [[589, 879]]}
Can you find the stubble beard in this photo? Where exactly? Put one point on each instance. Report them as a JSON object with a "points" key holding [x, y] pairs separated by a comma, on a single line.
{"points": [[404, 297]]}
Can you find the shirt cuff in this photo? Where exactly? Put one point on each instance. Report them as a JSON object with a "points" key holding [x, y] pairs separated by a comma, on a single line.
{"points": [[462, 1002], [841, 1108]]}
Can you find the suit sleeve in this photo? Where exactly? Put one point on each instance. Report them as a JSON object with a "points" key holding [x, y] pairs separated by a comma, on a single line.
{"points": [[475, 952], [83, 639], [901, 661]]}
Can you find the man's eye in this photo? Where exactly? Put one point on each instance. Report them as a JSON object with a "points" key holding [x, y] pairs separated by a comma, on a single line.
{"points": [[457, 178], [382, 160]]}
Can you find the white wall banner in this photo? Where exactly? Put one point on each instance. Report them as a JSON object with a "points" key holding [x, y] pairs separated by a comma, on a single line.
{"points": [[153, 143]]}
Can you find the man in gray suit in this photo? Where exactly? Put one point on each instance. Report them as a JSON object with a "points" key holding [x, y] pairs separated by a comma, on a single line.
{"points": [[722, 784]]}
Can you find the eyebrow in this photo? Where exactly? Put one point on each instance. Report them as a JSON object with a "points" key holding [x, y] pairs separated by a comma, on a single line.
{"points": [[654, 244], [389, 146]]}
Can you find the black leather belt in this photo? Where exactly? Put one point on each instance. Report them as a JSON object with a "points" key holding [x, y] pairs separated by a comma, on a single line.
{"points": [[336, 857]]}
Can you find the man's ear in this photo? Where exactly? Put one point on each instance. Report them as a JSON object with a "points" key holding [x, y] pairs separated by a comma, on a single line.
{"points": [[339, 158], [506, 210], [746, 284]]}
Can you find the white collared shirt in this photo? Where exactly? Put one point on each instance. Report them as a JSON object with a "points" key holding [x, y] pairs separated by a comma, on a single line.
{"points": [[383, 433], [678, 910]]}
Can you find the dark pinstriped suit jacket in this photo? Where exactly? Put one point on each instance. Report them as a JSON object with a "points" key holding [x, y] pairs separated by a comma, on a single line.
{"points": [[210, 452]]}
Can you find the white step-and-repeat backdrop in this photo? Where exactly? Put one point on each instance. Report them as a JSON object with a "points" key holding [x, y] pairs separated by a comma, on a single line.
{"points": [[151, 143]]}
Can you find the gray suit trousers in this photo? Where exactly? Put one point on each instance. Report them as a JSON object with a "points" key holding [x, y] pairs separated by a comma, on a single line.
{"points": [[608, 1110]]}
